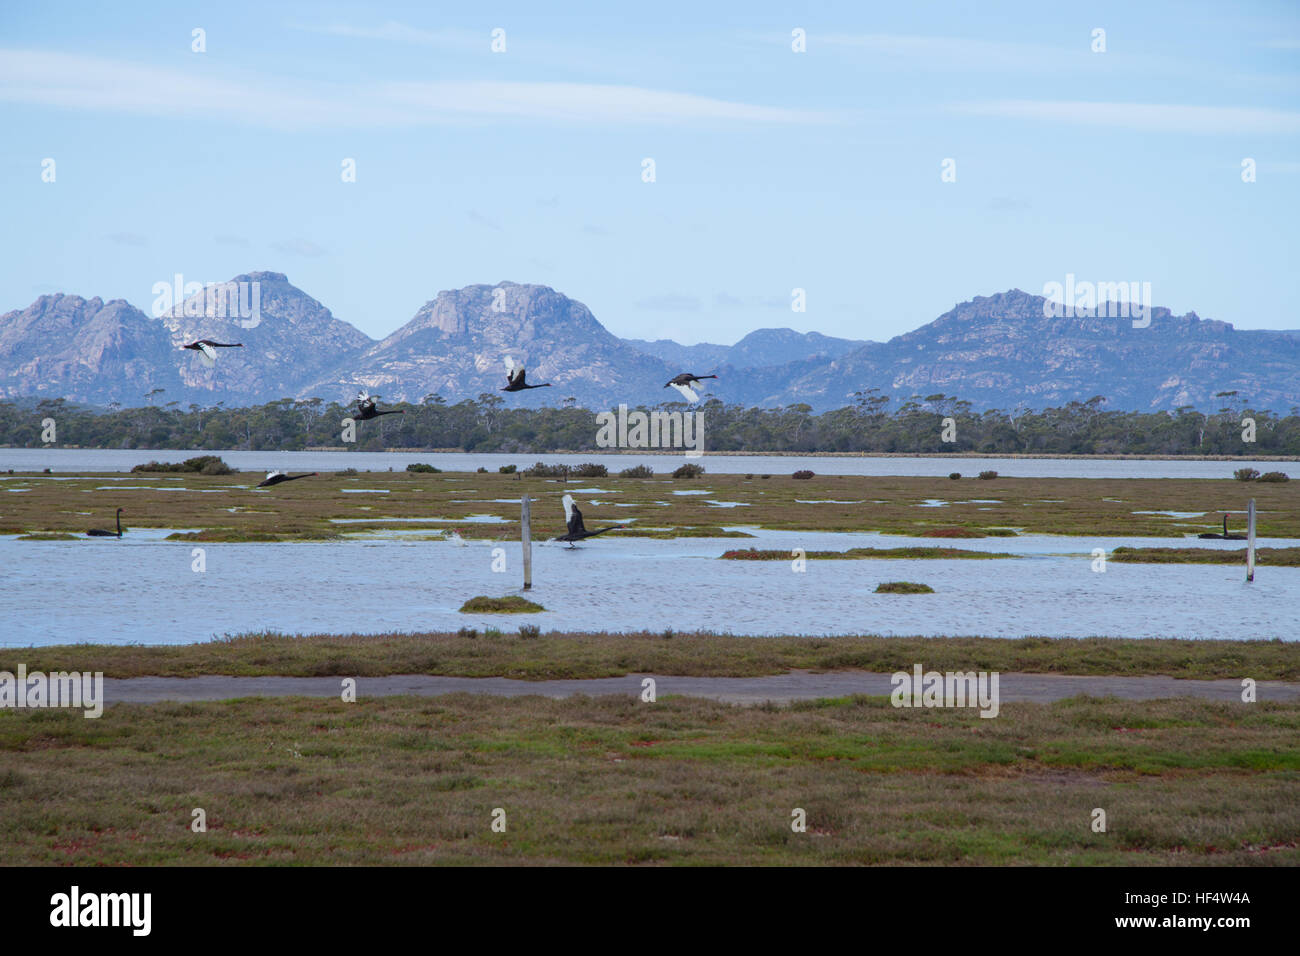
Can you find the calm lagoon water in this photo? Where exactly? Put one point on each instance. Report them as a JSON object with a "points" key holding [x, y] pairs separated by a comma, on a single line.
{"points": [[65, 460], [141, 589]]}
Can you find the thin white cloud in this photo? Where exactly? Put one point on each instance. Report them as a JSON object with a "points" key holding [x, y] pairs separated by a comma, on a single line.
{"points": [[725, 300], [1070, 52], [398, 32], [298, 247], [127, 239], [952, 53], [1148, 117], [578, 102], [671, 302], [477, 217], [73, 81]]}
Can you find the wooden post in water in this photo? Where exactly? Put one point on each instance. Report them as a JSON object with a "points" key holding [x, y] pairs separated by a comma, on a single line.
{"points": [[526, 539], [1250, 541]]}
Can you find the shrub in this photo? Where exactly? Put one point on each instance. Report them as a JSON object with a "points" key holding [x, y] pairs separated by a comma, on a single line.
{"points": [[987, 475], [481, 470], [753, 554], [802, 473], [765, 477], [1274, 476], [510, 604], [470, 632], [347, 473], [903, 587], [203, 464], [422, 468], [589, 470], [749, 477], [955, 475], [1245, 474], [507, 469], [689, 471], [638, 471], [541, 470], [529, 631]]}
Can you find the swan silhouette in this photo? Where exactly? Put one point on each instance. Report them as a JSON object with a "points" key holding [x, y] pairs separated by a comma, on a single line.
{"points": [[366, 409], [100, 533], [515, 378], [279, 477], [207, 349], [1225, 536], [682, 383], [576, 529]]}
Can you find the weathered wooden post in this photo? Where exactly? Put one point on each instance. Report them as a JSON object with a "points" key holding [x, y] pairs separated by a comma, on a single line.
{"points": [[1250, 541], [526, 539]]}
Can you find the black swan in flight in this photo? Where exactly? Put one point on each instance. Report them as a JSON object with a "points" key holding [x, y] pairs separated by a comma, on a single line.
{"points": [[515, 378], [99, 533], [577, 531], [207, 349], [682, 383], [366, 408], [276, 477], [1225, 536]]}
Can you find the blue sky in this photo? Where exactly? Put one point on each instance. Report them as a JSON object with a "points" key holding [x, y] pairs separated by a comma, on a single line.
{"points": [[775, 170]]}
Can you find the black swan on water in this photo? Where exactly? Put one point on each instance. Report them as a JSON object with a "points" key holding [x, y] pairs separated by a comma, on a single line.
{"points": [[1225, 536], [100, 533]]}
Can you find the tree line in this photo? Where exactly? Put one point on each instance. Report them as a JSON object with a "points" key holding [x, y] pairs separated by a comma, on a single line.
{"points": [[870, 424]]}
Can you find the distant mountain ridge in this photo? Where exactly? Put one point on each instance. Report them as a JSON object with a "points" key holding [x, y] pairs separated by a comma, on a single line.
{"points": [[764, 347], [457, 343], [288, 344], [994, 351]]}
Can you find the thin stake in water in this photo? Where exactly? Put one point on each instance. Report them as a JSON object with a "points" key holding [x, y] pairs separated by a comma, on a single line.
{"points": [[1250, 541], [526, 539]]}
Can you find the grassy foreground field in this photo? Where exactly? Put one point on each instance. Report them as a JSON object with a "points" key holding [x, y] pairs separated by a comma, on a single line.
{"points": [[613, 780], [555, 655], [226, 508]]}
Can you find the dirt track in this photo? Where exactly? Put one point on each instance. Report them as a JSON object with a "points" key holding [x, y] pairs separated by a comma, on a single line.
{"points": [[797, 685]]}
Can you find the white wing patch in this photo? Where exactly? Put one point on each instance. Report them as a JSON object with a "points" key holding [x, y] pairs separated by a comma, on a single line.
{"points": [[568, 508], [687, 392], [207, 355], [512, 370]]}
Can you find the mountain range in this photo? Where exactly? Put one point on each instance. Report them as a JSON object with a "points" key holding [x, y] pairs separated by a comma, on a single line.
{"points": [[995, 351]]}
